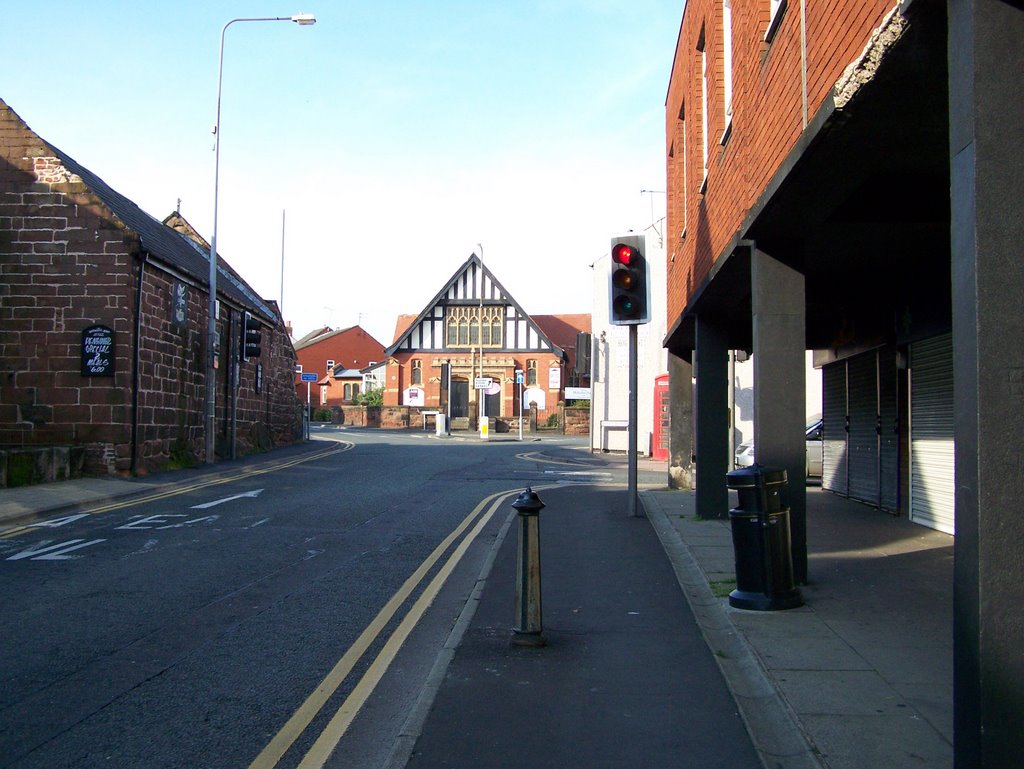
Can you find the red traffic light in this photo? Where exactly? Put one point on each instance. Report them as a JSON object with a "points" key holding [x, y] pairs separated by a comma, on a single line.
{"points": [[624, 254], [629, 290]]}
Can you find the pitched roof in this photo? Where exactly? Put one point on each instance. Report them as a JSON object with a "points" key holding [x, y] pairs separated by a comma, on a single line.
{"points": [[163, 243], [311, 336], [462, 275], [402, 325], [316, 337], [562, 329]]}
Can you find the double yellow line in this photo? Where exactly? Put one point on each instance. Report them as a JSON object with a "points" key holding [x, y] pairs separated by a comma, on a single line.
{"points": [[318, 754]]}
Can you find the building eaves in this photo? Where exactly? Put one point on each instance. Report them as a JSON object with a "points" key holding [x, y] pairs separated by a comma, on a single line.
{"points": [[166, 244]]}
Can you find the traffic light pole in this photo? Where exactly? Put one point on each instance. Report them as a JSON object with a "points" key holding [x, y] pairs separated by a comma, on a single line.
{"points": [[631, 472], [630, 305]]}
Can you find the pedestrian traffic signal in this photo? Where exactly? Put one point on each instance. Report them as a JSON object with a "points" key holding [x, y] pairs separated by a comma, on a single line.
{"points": [[252, 335], [630, 289]]}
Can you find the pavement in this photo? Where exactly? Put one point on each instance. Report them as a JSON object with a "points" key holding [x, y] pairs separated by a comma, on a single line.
{"points": [[646, 664]]}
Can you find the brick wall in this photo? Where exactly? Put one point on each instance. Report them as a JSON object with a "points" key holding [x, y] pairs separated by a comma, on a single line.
{"points": [[62, 268], [67, 263], [500, 366], [767, 116], [575, 421]]}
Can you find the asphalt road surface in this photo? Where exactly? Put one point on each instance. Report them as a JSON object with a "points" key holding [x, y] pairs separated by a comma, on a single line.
{"points": [[244, 621]]}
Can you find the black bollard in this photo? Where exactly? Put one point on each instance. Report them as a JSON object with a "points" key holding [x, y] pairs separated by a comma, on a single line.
{"points": [[528, 629]]}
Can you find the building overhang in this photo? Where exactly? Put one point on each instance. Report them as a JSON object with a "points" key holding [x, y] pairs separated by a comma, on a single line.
{"points": [[860, 206]]}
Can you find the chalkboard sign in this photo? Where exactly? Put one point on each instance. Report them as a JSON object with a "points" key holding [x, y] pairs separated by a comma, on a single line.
{"points": [[98, 351]]}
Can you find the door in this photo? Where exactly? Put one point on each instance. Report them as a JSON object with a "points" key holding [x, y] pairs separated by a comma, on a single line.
{"points": [[460, 397], [661, 418], [492, 404]]}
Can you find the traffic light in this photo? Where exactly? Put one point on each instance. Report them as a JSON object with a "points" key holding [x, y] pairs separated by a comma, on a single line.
{"points": [[630, 289], [252, 335]]}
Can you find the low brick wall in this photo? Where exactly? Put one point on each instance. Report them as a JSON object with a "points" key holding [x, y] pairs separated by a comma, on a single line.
{"points": [[575, 421]]}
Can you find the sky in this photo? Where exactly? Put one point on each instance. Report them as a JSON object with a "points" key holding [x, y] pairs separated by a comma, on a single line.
{"points": [[373, 152]]}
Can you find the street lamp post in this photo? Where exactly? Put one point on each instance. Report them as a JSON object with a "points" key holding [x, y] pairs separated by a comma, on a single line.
{"points": [[302, 19]]}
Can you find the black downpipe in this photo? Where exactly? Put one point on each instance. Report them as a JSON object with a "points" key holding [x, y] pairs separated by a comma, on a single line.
{"points": [[136, 352]]}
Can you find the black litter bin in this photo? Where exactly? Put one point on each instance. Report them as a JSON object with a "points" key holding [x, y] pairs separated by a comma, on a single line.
{"points": [[761, 541]]}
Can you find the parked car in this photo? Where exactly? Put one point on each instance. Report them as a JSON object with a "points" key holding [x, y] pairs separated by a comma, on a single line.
{"points": [[745, 451]]}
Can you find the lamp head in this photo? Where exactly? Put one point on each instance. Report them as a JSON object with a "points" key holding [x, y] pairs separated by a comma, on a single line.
{"points": [[304, 19]]}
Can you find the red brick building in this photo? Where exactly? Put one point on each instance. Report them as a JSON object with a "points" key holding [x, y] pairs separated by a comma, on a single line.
{"points": [[844, 176], [103, 314], [325, 352], [477, 329]]}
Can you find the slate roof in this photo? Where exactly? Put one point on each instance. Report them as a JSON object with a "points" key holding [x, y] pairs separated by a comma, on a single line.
{"points": [[167, 245]]}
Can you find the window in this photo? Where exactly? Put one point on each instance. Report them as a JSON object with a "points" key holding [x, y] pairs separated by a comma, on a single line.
{"points": [[531, 373], [298, 368], [323, 396], [775, 10], [330, 366], [683, 162], [701, 49], [727, 66], [417, 373], [475, 326], [351, 391]]}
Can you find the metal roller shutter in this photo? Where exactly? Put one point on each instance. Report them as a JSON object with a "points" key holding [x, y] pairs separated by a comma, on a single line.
{"points": [[833, 410], [888, 408], [931, 433], [863, 407]]}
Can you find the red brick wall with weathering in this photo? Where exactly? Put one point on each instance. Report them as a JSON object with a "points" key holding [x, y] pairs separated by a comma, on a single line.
{"points": [[63, 267], [66, 263], [767, 116]]}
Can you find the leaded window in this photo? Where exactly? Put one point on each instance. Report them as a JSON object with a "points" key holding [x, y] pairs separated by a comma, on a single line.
{"points": [[475, 326]]}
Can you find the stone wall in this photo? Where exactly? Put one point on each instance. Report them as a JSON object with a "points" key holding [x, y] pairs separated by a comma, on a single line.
{"points": [[575, 421], [68, 263]]}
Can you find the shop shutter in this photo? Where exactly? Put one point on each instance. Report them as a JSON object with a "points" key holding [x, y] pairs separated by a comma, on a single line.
{"points": [[833, 418], [862, 455], [888, 409], [931, 433]]}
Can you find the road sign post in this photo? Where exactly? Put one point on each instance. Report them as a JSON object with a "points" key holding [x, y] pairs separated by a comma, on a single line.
{"points": [[309, 379], [481, 384], [520, 378]]}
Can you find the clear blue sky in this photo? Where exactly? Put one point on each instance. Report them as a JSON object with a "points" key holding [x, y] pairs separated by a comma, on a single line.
{"points": [[396, 135]]}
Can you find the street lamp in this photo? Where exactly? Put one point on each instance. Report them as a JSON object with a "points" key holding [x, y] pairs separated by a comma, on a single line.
{"points": [[303, 20]]}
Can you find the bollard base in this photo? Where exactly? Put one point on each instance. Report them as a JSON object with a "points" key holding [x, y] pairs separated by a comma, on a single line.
{"points": [[788, 599], [527, 638]]}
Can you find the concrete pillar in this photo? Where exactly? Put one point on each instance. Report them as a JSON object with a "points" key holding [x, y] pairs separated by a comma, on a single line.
{"points": [[681, 447], [986, 59], [712, 419], [780, 387]]}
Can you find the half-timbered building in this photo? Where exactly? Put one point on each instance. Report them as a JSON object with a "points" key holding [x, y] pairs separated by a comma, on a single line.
{"points": [[470, 332]]}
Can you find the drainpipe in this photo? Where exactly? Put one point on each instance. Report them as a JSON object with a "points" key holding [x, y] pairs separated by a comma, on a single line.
{"points": [[136, 351]]}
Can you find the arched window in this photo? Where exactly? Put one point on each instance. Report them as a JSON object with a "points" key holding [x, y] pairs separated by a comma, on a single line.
{"points": [[417, 373], [531, 373]]}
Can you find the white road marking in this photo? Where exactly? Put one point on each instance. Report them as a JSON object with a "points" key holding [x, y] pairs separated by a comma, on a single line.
{"points": [[44, 551], [255, 493]]}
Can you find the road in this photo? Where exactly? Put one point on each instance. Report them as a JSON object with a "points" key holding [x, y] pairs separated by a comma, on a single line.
{"points": [[245, 620]]}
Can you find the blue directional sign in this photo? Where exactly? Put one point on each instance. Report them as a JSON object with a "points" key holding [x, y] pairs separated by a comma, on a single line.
{"points": [[309, 377]]}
